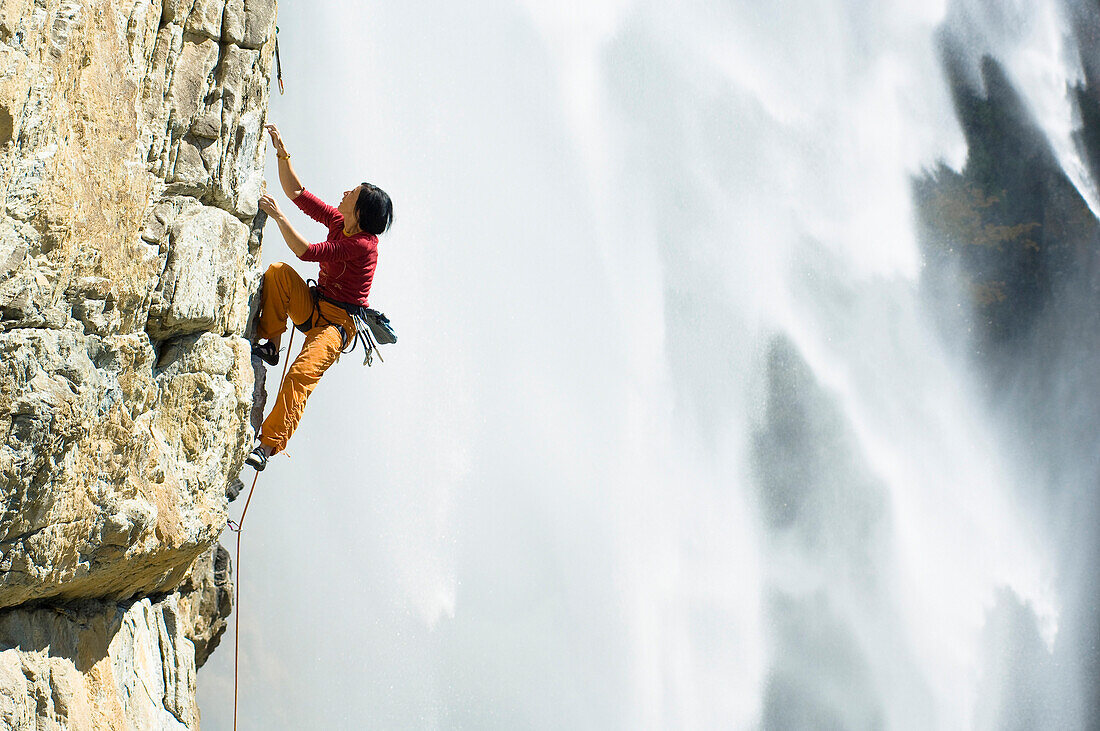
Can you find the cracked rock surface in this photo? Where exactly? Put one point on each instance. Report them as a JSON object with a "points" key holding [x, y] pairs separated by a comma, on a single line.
{"points": [[116, 666], [130, 165]]}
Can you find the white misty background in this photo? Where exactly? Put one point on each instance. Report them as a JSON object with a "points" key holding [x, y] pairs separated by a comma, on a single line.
{"points": [[612, 219]]}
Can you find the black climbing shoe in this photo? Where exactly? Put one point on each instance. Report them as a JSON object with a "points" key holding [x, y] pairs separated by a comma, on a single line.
{"points": [[258, 459], [267, 352]]}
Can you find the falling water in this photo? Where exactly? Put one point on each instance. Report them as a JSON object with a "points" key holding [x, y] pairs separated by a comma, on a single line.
{"points": [[675, 435]]}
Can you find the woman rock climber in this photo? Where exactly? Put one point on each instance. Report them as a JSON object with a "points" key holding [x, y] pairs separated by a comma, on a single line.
{"points": [[347, 259]]}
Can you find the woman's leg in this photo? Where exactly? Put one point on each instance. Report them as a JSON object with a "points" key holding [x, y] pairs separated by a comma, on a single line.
{"points": [[285, 294], [320, 350]]}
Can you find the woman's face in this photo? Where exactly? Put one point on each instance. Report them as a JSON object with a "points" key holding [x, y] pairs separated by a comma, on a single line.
{"points": [[347, 205]]}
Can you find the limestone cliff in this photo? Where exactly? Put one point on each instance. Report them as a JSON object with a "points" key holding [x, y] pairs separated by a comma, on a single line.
{"points": [[130, 164]]}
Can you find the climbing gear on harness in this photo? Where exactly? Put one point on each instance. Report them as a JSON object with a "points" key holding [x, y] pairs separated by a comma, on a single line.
{"points": [[267, 352], [257, 460], [380, 325], [278, 63], [370, 325]]}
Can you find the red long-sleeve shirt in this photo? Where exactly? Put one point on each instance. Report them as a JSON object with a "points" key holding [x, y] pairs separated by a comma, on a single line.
{"points": [[347, 262]]}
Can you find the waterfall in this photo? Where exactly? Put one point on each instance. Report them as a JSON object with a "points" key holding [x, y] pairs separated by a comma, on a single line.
{"points": [[704, 415]]}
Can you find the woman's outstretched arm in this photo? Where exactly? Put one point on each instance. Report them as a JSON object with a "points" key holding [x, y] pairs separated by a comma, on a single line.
{"points": [[294, 239], [287, 177]]}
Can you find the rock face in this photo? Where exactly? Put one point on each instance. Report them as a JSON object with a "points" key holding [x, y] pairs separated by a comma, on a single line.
{"points": [[112, 665], [97, 666], [130, 159]]}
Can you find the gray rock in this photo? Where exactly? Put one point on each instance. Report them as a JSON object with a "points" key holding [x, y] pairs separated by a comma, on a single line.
{"points": [[113, 475], [205, 284], [206, 601], [97, 665], [208, 126], [192, 81], [249, 23], [206, 18], [130, 137]]}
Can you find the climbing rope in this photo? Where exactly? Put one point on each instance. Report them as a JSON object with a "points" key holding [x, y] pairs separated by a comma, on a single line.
{"points": [[237, 528]]}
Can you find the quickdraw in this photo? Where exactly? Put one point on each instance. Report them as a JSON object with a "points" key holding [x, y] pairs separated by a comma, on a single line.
{"points": [[278, 62]]}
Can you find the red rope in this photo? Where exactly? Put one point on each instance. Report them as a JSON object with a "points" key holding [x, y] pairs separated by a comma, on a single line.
{"points": [[237, 603], [237, 562]]}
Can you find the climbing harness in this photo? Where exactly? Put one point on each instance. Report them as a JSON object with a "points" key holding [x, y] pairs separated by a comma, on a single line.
{"points": [[371, 326], [316, 317], [278, 63], [236, 528]]}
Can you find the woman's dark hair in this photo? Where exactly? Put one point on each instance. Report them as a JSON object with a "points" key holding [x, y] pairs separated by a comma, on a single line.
{"points": [[373, 209]]}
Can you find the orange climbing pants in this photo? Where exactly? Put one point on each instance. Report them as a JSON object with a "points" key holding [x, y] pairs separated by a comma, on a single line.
{"points": [[285, 294]]}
